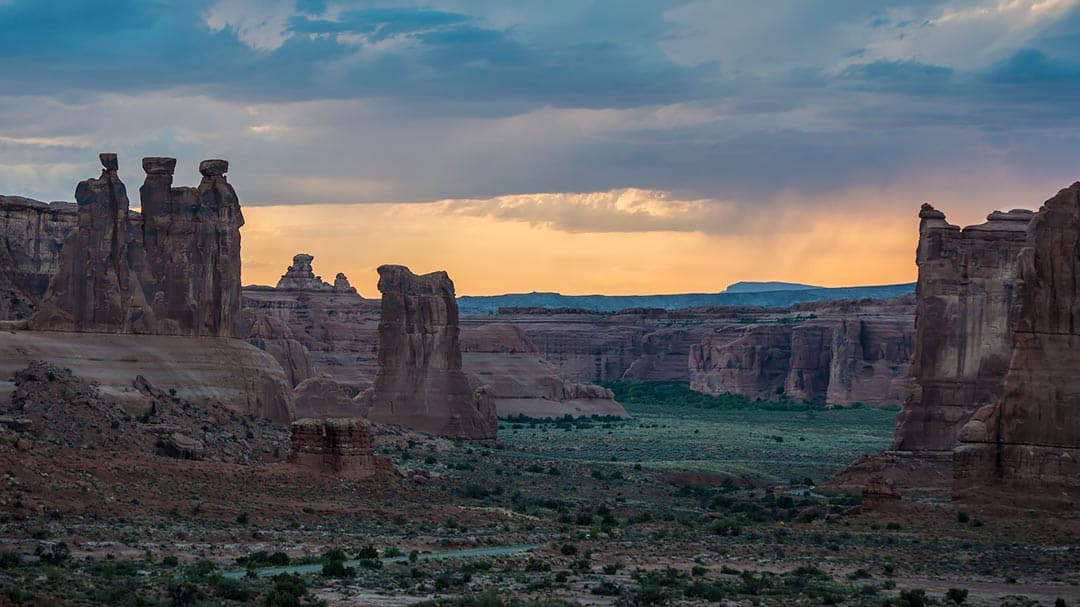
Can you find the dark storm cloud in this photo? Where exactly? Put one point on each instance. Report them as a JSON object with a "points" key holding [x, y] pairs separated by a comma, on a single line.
{"points": [[346, 101]]}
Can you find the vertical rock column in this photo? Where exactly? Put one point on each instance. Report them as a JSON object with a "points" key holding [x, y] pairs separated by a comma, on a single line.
{"points": [[420, 383], [192, 242], [93, 288], [962, 329]]}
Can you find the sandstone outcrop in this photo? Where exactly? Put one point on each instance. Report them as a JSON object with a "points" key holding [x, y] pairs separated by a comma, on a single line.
{"points": [[501, 356], [963, 337], [191, 238], [879, 493], [173, 270], [858, 356], [32, 234], [420, 383], [204, 371], [341, 446], [1030, 437], [274, 336], [341, 284], [322, 397]]}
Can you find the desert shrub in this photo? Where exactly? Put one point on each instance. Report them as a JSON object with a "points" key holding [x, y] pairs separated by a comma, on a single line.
{"points": [[233, 590], [962, 517], [367, 552], [568, 549], [288, 590], [57, 554], [957, 595], [606, 588], [9, 560], [183, 592]]}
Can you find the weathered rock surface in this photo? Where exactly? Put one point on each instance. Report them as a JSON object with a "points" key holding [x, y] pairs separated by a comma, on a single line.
{"points": [[173, 270], [1030, 438], [501, 356], [341, 446], [879, 493], [833, 356], [322, 397], [275, 337], [32, 234], [192, 241], [420, 383], [203, 371], [301, 276], [963, 337]]}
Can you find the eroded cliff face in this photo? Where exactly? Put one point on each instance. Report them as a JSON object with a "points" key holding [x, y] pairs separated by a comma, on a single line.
{"points": [[963, 337], [501, 356], [857, 356], [420, 383], [192, 242], [1030, 438], [32, 234]]}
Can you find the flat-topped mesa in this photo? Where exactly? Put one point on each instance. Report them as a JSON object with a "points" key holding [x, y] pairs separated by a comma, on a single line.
{"points": [[1030, 438], [192, 242], [420, 383], [339, 446], [301, 277], [963, 338], [96, 288]]}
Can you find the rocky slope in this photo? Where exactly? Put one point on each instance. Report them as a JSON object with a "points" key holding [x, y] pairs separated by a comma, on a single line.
{"points": [[420, 383], [202, 370], [52, 405]]}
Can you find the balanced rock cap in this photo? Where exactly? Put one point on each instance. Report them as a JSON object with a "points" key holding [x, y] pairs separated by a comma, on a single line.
{"points": [[155, 165], [214, 167], [109, 161]]}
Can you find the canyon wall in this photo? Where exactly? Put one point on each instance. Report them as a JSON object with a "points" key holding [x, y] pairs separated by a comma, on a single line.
{"points": [[420, 383], [858, 357], [1030, 437], [32, 235], [963, 338]]}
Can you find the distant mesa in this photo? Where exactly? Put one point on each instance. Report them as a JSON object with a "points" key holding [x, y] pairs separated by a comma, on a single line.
{"points": [[767, 287]]}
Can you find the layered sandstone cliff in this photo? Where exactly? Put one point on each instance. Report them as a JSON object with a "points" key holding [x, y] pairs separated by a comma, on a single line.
{"points": [[963, 338], [33, 234], [1030, 437], [341, 446], [858, 356], [501, 356], [420, 383]]}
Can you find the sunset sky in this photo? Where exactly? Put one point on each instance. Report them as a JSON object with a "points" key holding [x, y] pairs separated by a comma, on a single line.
{"points": [[580, 146]]}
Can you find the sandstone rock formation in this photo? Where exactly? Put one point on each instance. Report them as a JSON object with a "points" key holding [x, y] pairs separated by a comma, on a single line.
{"points": [[322, 397], [962, 329], [341, 284], [420, 383], [341, 446], [301, 276], [879, 493], [1030, 437], [856, 356], [96, 288], [32, 234], [192, 242], [501, 356], [274, 336], [173, 270]]}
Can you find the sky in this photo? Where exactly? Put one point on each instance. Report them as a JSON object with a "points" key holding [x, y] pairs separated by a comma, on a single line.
{"points": [[579, 146]]}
